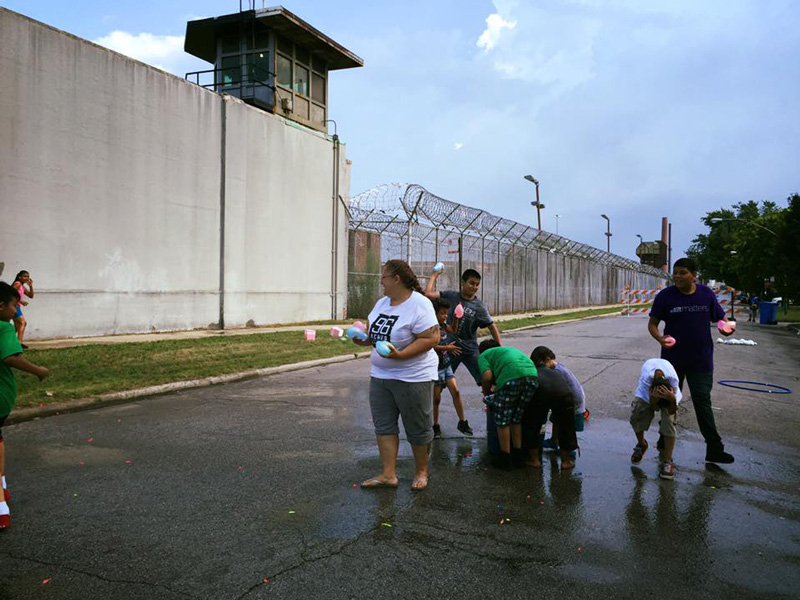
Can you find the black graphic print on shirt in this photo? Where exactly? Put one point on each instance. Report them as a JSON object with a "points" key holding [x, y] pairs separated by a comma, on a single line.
{"points": [[381, 329]]}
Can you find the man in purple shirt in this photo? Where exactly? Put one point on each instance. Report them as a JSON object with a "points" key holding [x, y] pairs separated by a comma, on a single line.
{"points": [[687, 308]]}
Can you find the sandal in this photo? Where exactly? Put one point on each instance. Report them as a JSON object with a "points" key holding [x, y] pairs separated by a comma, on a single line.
{"points": [[638, 453], [374, 483], [419, 484]]}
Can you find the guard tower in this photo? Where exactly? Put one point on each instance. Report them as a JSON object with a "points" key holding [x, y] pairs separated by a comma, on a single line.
{"points": [[269, 58]]}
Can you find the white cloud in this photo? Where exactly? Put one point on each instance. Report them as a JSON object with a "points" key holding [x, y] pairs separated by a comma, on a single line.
{"points": [[494, 28], [458, 146], [162, 51], [554, 49]]}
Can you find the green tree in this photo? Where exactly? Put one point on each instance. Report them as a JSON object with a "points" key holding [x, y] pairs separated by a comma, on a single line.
{"points": [[750, 243]]}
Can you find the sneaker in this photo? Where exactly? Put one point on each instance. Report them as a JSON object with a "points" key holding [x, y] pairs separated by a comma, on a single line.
{"points": [[719, 456], [550, 445], [437, 432], [666, 470], [638, 453], [463, 427]]}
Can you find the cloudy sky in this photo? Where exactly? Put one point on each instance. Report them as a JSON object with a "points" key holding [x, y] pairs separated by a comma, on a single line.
{"points": [[637, 109]]}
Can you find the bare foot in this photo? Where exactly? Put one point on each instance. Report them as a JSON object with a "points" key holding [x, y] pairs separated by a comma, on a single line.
{"points": [[567, 464], [380, 482], [534, 462], [420, 482]]}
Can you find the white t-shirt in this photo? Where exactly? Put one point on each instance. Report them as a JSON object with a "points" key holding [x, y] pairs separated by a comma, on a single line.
{"points": [[646, 378], [398, 325]]}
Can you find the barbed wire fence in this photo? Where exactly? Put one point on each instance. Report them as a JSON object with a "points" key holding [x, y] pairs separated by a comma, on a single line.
{"points": [[523, 269]]}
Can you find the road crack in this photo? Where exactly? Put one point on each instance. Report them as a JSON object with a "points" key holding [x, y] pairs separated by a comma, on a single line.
{"points": [[95, 575]]}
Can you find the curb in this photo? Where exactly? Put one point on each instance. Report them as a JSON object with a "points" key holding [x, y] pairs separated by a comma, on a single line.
{"points": [[612, 314], [36, 412], [30, 413]]}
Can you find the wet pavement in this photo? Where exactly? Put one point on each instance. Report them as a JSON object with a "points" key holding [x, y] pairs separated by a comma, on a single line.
{"points": [[246, 491]]}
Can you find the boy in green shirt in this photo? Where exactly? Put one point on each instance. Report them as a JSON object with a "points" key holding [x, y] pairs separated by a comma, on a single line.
{"points": [[514, 378], [10, 357]]}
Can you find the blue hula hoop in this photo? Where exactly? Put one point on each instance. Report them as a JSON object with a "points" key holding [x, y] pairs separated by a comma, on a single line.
{"points": [[775, 389]]}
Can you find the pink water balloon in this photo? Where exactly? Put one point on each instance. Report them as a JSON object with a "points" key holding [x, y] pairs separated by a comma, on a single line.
{"points": [[459, 312]]}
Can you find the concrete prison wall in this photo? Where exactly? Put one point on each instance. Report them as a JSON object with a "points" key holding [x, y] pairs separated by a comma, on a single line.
{"points": [[112, 196]]}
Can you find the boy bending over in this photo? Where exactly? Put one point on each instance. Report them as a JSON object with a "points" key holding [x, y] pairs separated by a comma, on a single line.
{"points": [[658, 391], [513, 376]]}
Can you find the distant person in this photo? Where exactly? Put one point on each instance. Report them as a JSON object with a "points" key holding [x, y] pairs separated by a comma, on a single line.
{"points": [[553, 394], [509, 380], [475, 317], [658, 391], [754, 300], [544, 358], [444, 350], [23, 284], [10, 358], [687, 308], [401, 384]]}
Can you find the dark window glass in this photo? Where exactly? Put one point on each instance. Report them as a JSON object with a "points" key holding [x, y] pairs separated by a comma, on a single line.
{"points": [[318, 88], [262, 40], [230, 44], [258, 64], [231, 71], [320, 65], [284, 71], [284, 45], [301, 81], [302, 55]]}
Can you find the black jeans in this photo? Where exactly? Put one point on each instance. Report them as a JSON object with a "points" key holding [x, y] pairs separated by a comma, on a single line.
{"points": [[469, 360], [536, 415], [700, 385]]}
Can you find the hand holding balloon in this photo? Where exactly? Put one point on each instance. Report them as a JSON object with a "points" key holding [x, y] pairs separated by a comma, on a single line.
{"points": [[669, 341], [385, 349], [438, 267], [726, 328], [354, 333], [459, 311]]}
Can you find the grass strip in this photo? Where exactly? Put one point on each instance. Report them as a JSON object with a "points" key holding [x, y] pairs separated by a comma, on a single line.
{"points": [[94, 369], [791, 315], [544, 319]]}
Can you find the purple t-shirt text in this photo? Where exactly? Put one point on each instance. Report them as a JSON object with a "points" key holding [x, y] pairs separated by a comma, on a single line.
{"points": [[686, 318]]}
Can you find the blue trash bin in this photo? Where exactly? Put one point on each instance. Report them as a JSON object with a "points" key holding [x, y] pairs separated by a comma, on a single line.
{"points": [[769, 313]]}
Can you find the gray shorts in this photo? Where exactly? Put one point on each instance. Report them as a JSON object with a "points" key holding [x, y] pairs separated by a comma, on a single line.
{"points": [[642, 415], [391, 398]]}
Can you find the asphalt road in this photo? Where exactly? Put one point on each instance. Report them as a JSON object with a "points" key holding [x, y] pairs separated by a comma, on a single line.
{"points": [[246, 491]]}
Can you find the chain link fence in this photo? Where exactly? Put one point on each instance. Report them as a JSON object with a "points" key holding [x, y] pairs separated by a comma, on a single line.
{"points": [[523, 269]]}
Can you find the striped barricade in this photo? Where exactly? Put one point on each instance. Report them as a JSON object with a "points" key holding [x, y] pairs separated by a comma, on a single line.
{"points": [[637, 301], [640, 301]]}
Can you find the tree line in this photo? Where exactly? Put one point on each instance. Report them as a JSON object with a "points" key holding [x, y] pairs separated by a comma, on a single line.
{"points": [[754, 247]]}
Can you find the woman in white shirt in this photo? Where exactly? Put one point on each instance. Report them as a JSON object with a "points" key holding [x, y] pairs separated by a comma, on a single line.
{"points": [[401, 384]]}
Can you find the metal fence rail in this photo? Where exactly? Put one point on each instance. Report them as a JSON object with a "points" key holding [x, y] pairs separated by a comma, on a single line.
{"points": [[522, 268]]}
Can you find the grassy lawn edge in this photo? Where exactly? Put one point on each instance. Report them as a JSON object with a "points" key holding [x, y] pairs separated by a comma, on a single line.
{"points": [[82, 376]]}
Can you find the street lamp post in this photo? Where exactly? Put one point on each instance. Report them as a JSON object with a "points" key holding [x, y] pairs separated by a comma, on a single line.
{"points": [[557, 218], [539, 206], [641, 239], [608, 233]]}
